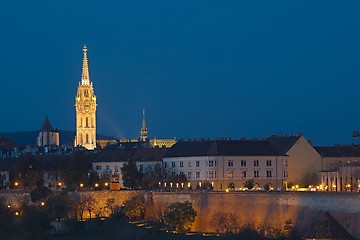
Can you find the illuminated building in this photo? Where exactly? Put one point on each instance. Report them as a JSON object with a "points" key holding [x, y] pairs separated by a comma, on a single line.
{"points": [[48, 136], [227, 164], [85, 105]]}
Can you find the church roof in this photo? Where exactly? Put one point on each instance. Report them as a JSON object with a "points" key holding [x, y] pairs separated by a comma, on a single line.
{"points": [[46, 126], [327, 228], [283, 143], [223, 148]]}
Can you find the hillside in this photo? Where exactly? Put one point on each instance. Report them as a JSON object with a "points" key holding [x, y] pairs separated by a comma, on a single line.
{"points": [[29, 137]]}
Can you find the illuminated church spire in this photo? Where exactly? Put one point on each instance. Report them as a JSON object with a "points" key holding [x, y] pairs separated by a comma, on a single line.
{"points": [[85, 78], [85, 106], [143, 130]]}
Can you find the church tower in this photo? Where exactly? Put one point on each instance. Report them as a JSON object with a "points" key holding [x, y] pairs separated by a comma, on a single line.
{"points": [[85, 105], [143, 130]]}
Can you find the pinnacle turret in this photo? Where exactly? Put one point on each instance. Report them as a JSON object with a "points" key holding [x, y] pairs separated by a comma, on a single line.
{"points": [[85, 77], [143, 130]]}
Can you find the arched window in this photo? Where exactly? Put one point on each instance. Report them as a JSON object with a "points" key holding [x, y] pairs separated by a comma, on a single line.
{"points": [[87, 138], [87, 122], [80, 139]]}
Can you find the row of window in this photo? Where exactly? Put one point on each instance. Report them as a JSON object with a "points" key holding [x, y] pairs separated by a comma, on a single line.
{"points": [[212, 163]]}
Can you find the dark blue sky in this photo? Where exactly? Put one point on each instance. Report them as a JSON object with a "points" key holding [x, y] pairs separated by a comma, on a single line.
{"points": [[199, 68]]}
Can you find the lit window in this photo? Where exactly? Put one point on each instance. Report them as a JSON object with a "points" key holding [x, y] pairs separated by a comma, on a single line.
{"points": [[211, 174], [230, 174]]}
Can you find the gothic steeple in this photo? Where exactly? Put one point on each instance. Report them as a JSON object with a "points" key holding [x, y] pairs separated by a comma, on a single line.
{"points": [[85, 106], [85, 77], [143, 130]]}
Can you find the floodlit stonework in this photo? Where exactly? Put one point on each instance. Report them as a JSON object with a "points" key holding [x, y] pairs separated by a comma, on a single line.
{"points": [[85, 105]]}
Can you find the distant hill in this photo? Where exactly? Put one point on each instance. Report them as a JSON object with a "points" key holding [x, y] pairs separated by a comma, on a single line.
{"points": [[30, 137]]}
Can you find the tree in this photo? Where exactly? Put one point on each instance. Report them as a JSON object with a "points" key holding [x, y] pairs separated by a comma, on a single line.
{"points": [[131, 176], [59, 206], [40, 194], [35, 222], [249, 184], [110, 205], [180, 216], [134, 208], [310, 178], [225, 223], [89, 204], [6, 220]]}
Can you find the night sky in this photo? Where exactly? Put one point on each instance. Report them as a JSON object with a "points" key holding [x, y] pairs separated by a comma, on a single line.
{"points": [[199, 68]]}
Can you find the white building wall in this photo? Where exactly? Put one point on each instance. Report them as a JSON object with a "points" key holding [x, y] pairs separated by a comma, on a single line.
{"points": [[220, 171]]}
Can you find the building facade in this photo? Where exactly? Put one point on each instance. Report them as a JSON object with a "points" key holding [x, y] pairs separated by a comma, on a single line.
{"points": [[304, 162], [227, 164], [85, 106]]}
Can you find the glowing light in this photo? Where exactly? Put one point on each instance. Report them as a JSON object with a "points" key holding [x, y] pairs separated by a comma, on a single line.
{"points": [[8, 206], [16, 184], [42, 203], [59, 184], [106, 184], [227, 190], [96, 185], [81, 185], [17, 213]]}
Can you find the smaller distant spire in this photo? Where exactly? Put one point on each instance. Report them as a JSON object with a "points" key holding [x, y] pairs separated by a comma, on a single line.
{"points": [[46, 126], [143, 130], [85, 77]]}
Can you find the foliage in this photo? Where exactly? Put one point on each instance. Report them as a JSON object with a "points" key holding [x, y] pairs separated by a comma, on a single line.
{"points": [[289, 229], [110, 205], [131, 176], [225, 223], [6, 220], [27, 170], [134, 208], [59, 206], [249, 184], [75, 170], [35, 223], [40, 194], [152, 177], [89, 204], [309, 178], [180, 216]]}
